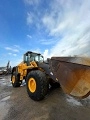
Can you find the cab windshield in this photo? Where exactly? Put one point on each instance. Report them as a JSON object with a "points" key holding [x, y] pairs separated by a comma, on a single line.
{"points": [[39, 58], [33, 57]]}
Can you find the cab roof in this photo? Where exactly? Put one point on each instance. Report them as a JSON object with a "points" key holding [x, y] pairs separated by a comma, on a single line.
{"points": [[30, 52]]}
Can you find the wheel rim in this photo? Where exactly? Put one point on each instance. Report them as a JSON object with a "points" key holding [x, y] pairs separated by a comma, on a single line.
{"points": [[32, 85], [13, 79]]}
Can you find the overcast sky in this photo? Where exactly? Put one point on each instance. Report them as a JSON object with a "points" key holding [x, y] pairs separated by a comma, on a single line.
{"points": [[50, 27]]}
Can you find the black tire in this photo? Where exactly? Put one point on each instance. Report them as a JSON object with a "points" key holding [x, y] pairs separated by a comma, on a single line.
{"points": [[41, 85], [16, 82], [54, 84]]}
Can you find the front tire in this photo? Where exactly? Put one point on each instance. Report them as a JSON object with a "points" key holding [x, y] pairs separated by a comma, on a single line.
{"points": [[37, 85]]}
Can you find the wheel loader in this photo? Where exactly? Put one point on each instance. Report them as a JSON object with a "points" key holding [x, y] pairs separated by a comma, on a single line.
{"points": [[72, 73]]}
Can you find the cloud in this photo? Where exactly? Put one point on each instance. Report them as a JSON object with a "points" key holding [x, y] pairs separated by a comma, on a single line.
{"points": [[69, 21], [71, 46], [32, 2], [12, 49], [30, 17], [46, 54], [29, 36], [47, 42], [8, 48], [12, 54], [34, 20], [17, 46], [15, 50]]}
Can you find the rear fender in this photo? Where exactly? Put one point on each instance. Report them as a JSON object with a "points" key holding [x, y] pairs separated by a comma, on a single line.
{"points": [[46, 68]]}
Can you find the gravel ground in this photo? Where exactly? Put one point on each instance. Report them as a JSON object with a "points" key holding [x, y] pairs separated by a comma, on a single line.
{"points": [[16, 105]]}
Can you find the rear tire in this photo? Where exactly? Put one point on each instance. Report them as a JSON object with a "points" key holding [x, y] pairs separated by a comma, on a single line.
{"points": [[15, 78], [40, 85]]}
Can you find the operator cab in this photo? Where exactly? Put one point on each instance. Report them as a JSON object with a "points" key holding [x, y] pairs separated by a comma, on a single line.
{"points": [[31, 56]]}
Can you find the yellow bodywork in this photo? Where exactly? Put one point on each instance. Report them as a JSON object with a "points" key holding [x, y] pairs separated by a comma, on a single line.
{"points": [[22, 68]]}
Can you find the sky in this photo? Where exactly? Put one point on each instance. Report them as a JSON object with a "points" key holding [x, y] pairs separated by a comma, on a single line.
{"points": [[49, 27]]}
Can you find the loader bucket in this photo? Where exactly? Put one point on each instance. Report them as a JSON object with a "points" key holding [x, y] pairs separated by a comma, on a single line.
{"points": [[73, 74]]}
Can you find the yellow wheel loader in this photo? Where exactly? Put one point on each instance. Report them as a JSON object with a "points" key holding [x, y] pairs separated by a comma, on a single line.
{"points": [[72, 73]]}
